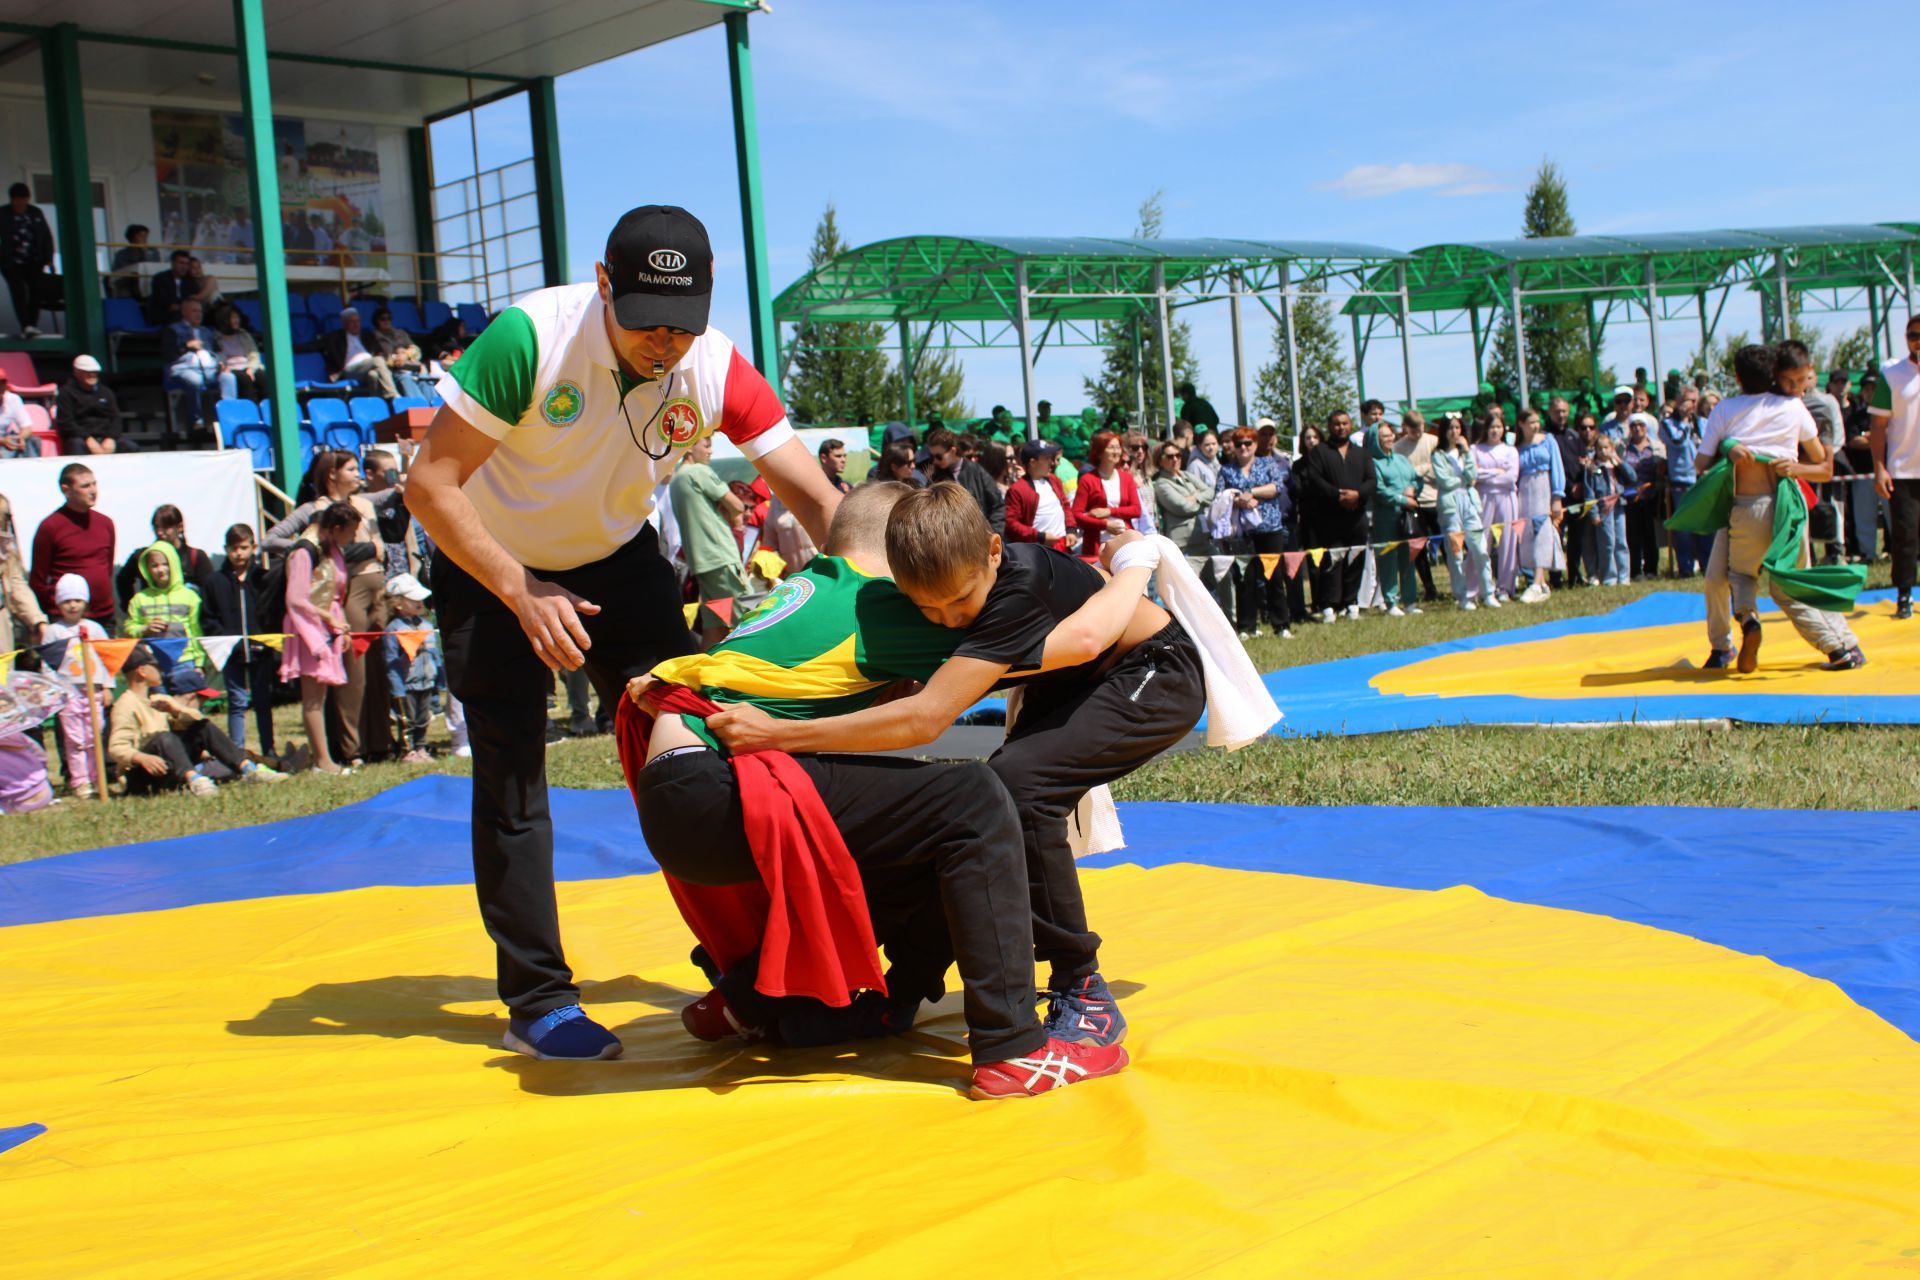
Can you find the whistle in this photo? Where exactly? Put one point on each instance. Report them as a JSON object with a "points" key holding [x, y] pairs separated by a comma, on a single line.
{"points": [[658, 368]]}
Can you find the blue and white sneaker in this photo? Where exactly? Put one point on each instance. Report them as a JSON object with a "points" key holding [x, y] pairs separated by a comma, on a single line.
{"points": [[565, 1034], [1085, 1011]]}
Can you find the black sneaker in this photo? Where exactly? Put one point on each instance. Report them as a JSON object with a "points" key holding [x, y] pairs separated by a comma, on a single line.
{"points": [[1903, 609], [1844, 660], [1719, 660]]}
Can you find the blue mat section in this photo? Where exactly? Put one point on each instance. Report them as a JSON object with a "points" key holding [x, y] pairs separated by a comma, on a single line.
{"points": [[11, 1138], [1832, 894], [1336, 697]]}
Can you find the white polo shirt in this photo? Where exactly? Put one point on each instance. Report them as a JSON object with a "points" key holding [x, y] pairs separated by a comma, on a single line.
{"points": [[572, 480], [1897, 401], [1770, 424]]}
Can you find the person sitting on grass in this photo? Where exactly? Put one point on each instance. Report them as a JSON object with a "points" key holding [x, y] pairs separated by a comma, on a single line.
{"points": [[412, 679], [161, 742], [1770, 440]]}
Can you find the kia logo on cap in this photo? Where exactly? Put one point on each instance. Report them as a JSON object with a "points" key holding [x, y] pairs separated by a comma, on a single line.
{"points": [[667, 259]]}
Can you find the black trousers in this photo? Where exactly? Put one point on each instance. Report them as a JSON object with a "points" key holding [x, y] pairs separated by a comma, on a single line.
{"points": [[492, 669], [1425, 523], [898, 818], [1903, 533], [1071, 738], [182, 749], [1336, 579], [411, 714], [1257, 596], [1643, 536], [20, 289], [1574, 529]]}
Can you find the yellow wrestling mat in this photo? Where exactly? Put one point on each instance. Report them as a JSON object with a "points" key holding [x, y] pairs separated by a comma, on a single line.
{"points": [[1330, 1080], [1664, 660]]}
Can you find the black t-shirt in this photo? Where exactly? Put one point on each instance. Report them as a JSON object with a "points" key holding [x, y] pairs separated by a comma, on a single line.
{"points": [[1036, 588], [1201, 414]]}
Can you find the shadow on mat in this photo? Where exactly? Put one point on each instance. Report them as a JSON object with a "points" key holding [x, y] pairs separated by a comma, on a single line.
{"points": [[1687, 673]]}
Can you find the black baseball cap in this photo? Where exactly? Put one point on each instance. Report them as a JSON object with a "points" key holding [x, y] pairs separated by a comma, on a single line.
{"points": [[660, 265], [140, 655], [1037, 448]]}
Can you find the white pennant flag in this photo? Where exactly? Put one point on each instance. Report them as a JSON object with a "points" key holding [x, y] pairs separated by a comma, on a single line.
{"points": [[219, 649], [1356, 554]]}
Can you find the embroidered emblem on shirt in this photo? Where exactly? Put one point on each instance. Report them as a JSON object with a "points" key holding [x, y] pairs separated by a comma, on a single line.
{"points": [[564, 404], [786, 597], [680, 422]]}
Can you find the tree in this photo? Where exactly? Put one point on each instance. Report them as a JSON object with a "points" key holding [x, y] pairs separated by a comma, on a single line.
{"points": [[1114, 388], [1854, 352], [1718, 362], [839, 370], [1558, 354], [1326, 380], [938, 382]]}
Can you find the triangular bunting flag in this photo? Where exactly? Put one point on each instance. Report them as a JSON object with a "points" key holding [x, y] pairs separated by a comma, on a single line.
{"points": [[692, 611], [1517, 525], [6, 662], [112, 653], [272, 639], [1317, 553], [1294, 560], [1498, 529], [168, 649], [722, 609], [218, 650], [1269, 561], [1385, 547], [1458, 542], [1416, 545], [54, 654], [411, 642], [1356, 553], [361, 642]]}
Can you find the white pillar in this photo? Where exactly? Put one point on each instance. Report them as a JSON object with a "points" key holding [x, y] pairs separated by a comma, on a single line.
{"points": [[1239, 349], [1653, 325], [1166, 347], [1406, 351], [1293, 355], [1519, 330], [1026, 348]]}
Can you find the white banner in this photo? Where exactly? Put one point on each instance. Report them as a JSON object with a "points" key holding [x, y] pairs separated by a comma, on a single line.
{"points": [[214, 490]]}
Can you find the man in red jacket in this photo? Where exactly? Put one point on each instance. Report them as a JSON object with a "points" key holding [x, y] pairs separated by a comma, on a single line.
{"points": [[76, 539], [1037, 510]]}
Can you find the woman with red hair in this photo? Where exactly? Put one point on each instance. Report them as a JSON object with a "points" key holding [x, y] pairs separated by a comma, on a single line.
{"points": [[1107, 500]]}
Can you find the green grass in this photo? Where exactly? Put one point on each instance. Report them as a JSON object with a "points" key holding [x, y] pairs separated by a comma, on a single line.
{"points": [[1774, 766]]}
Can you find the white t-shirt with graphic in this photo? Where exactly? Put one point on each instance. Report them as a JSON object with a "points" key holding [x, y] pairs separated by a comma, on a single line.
{"points": [[575, 476]]}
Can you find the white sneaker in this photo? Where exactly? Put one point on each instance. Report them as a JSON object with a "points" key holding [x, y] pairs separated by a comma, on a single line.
{"points": [[463, 752], [200, 785], [30, 332], [1396, 612], [1493, 602], [1414, 608], [1467, 606], [1327, 616], [1533, 594], [1286, 633], [1353, 611]]}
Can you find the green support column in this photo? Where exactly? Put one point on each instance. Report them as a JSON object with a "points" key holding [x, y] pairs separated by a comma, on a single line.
{"points": [[420, 171], [269, 250], [72, 189], [545, 117], [746, 146]]}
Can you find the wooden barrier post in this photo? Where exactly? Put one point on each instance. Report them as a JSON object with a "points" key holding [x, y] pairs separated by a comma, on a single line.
{"points": [[93, 721]]}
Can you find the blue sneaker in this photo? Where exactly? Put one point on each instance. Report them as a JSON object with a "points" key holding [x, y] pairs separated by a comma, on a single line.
{"points": [[566, 1034], [1085, 1011]]}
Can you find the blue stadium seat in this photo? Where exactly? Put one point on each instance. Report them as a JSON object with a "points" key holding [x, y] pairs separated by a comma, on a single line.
{"points": [[309, 443], [435, 314], [257, 440], [369, 412], [366, 307], [475, 316], [407, 316], [234, 414], [251, 314], [402, 403], [310, 376], [325, 309], [302, 329], [125, 315], [334, 425]]}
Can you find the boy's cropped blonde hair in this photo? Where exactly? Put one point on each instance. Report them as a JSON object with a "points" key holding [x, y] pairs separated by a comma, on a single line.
{"points": [[861, 519], [937, 539]]}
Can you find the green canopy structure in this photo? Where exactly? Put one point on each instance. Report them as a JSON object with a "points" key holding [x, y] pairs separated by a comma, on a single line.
{"points": [[1664, 276], [1033, 292]]}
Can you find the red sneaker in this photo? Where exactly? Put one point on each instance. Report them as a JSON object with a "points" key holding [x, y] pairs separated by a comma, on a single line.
{"points": [[1055, 1065], [712, 1018]]}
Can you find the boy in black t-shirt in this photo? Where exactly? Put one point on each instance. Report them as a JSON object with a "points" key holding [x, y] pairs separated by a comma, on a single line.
{"points": [[1108, 692]]}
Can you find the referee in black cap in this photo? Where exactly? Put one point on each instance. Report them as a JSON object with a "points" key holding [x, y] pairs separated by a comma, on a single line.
{"points": [[535, 482]]}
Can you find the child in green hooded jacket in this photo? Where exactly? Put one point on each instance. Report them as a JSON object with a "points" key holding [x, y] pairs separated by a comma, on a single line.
{"points": [[166, 607]]}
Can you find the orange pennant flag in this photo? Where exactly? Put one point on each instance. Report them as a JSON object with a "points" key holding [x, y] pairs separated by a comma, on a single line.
{"points": [[1269, 561], [112, 653], [411, 642], [1294, 560], [272, 639], [1457, 542], [722, 609]]}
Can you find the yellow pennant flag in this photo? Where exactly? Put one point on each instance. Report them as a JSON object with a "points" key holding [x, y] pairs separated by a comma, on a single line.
{"points": [[1269, 562], [1386, 547], [6, 662], [273, 640], [692, 611], [1318, 554], [768, 563], [1498, 529]]}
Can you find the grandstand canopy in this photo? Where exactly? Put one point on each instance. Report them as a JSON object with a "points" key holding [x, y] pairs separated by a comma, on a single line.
{"points": [[1033, 291]]}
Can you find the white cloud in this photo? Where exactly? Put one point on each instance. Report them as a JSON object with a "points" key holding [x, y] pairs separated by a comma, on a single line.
{"points": [[1371, 181]]}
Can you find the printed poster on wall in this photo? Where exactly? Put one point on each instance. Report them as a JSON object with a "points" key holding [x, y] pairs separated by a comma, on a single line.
{"points": [[329, 179]]}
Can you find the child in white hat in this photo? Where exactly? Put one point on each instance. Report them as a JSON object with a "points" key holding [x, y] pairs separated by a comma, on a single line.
{"points": [[79, 720]]}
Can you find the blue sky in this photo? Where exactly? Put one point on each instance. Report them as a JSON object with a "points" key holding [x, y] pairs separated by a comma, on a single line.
{"points": [[1401, 124]]}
